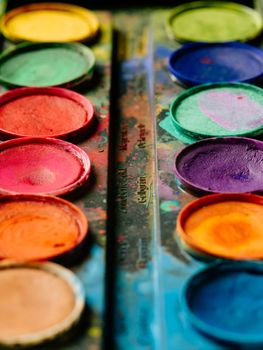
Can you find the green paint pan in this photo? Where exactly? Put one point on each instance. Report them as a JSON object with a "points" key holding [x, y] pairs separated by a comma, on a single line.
{"points": [[213, 21], [44, 65], [218, 110]]}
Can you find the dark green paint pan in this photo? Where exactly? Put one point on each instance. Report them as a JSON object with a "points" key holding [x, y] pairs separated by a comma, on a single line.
{"points": [[43, 65]]}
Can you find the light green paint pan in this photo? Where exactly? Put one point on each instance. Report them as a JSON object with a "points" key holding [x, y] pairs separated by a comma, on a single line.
{"points": [[213, 22], [43, 65]]}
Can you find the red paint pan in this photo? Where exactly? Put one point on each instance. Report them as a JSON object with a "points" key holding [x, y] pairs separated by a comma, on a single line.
{"points": [[42, 166], [44, 112]]}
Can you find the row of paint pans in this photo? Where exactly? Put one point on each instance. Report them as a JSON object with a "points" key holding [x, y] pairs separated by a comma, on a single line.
{"points": [[40, 301], [221, 118]]}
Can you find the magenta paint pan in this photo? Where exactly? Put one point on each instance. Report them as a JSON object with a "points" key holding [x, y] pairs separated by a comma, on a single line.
{"points": [[44, 112], [221, 165], [42, 166]]}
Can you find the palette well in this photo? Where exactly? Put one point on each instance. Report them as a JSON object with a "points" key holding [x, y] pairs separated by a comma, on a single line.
{"points": [[30, 313], [213, 21], [49, 22], [221, 165], [233, 109], [42, 166], [34, 228], [44, 112], [201, 63], [224, 226], [38, 65], [224, 301]]}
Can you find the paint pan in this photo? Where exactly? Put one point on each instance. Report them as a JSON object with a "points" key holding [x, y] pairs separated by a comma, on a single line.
{"points": [[200, 63], [43, 65], [38, 302], [223, 109], [49, 22], [44, 112], [224, 226], [34, 227], [221, 165], [224, 302], [213, 21], [42, 166]]}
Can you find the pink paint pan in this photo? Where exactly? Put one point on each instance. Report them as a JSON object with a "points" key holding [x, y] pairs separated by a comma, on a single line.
{"points": [[42, 166], [44, 112]]}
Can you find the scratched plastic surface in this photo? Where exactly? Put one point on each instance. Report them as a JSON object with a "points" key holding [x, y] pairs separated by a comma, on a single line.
{"points": [[93, 199]]}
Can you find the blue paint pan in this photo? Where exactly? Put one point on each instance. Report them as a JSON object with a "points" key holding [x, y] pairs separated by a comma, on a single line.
{"points": [[200, 63], [225, 302]]}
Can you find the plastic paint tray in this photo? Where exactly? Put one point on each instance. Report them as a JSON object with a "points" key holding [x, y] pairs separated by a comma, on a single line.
{"points": [[224, 302], [49, 22], [42, 166], [201, 63], [223, 109], [43, 65], [224, 226], [44, 112], [221, 165], [33, 297], [213, 21]]}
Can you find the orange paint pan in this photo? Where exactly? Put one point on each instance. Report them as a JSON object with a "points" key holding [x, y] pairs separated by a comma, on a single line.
{"points": [[35, 228], [223, 226]]}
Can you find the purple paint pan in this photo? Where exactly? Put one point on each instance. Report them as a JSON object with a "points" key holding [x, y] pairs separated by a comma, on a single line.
{"points": [[221, 165]]}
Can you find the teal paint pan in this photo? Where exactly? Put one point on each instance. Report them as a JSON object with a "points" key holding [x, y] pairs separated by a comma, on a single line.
{"points": [[43, 65], [217, 110]]}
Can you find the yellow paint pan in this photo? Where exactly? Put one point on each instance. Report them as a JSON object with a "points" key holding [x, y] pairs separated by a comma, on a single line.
{"points": [[49, 22]]}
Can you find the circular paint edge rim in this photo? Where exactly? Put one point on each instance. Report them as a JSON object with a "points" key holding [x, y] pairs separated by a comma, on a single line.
{"points": [[203, 87], [86, 104], [199, 190], [199, 4], [73, 318], [204, 274], [81, 11], [196, 45], [83, 50], [196, 204], [75, 212], [78, 153]]}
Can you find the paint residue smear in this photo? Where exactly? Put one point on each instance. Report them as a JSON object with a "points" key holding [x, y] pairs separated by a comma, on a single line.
{"points": [[233, 111], [231, 302], [33, 230], [230, 229], [38, 168], [42, 115], [26, 303]]}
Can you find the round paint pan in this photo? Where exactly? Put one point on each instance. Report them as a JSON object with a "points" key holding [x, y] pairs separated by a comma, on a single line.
{"points": [[44, 112], [43, 65], [49, 22], [39, 302], [223, 109], [221, 165], [224, 226], [42, 166], [201, 63], [224, 302], [213, 21], [35, 228]]}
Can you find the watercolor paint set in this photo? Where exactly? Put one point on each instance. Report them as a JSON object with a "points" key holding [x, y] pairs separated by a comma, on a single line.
{"points": [[209, 176], [54, 144], [131, 163]]}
